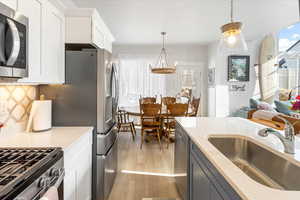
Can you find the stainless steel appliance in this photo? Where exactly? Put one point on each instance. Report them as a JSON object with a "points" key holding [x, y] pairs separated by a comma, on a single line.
{"points": [[90, 98], [27, 173], [107, 163], [13, 43]]}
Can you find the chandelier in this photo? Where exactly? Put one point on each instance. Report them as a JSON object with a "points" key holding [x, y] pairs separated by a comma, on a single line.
{"points": [[162, 66]]}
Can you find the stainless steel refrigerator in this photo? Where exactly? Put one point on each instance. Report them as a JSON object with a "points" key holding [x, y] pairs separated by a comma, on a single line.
{"points": [[90, 98]]}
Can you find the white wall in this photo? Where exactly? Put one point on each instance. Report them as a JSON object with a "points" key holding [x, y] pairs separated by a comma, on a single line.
{"points": [[188, 56], [221, 101]]}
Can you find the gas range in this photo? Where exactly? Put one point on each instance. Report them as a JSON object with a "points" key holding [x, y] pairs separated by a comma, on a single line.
{"points": [[27, 173]]}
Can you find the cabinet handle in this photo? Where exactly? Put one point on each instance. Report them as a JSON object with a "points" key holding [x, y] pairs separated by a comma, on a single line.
{"points": [[16, 43]]}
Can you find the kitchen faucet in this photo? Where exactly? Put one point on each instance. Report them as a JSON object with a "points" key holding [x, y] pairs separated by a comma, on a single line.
{"points": [[288, 139]]}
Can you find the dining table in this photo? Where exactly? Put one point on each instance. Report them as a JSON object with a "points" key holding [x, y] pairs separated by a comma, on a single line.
{"points": [[136, 111]]}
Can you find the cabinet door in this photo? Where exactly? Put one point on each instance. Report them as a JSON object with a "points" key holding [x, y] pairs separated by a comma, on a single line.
{"points": [[199, 183], [108, 44], [10, 3], [97, 35], [181, 161], [84, 174], [214, 194], [53, 45], [70, 180], [33, 10]]}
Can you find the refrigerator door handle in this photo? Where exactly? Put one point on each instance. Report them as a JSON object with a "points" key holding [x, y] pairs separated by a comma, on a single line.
{"points": [[116, 88]]}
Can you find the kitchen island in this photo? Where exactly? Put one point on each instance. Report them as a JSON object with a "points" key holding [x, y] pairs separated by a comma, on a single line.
{"points": [[211, 175], [76, 143]]}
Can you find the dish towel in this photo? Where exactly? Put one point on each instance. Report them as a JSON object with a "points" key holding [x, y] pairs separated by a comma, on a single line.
{"points": [[263, 114], [51, 194]]}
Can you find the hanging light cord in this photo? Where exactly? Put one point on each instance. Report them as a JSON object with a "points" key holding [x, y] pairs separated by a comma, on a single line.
{"points": [[163, 54], [164, 34], [231, 10]]}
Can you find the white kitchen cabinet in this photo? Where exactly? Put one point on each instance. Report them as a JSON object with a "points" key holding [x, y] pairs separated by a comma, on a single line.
{"points": [[33, 9], [46, 42], [78, 167], [53, 45], [10, 3], [85, 26]]}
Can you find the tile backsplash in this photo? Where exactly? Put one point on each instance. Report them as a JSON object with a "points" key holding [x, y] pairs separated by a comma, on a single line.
{"points": [[15, 103]]}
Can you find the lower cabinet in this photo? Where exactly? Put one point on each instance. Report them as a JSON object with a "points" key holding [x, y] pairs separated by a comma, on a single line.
{"points": [[199, 183], [78, 167], [214, 194], [181, 161], [205, 182]]}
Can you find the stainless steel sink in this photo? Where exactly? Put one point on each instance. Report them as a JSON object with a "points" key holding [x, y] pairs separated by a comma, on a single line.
{"points": [[259, 163]]}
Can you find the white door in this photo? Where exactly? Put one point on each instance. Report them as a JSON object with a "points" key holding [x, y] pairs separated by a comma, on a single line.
{"points": [[10, 3], [53, 45], [33, 10]]}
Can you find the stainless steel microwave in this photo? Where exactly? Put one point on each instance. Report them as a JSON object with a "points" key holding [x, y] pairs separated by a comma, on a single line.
{"points": [[13, 43]]}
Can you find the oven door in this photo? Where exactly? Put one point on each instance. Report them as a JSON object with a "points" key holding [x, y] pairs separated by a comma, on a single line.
{"points": [[56, 182], [13, 46], [5, 71], [16, 46], [53, 177]]}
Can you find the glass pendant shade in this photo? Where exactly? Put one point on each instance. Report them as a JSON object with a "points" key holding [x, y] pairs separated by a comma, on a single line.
{"points": [[232, 36]]}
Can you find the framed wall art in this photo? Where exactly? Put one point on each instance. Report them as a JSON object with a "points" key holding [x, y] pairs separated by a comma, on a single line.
{"points": [[211, 77], [238, 68]]}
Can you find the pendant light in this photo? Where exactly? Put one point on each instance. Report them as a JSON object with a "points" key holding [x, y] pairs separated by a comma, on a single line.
{"points": [[232, 36], [162, 66]]}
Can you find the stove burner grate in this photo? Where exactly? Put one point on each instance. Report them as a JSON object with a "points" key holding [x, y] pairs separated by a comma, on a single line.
{"points": [[17, 164]]}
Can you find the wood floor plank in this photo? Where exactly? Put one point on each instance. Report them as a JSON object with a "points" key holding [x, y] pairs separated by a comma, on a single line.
{"points": [[146, 173]]}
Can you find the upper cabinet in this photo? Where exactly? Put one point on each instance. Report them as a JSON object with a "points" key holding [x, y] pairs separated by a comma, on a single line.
{"points": [[53, 44], [51, 25], [32, 9], [46, 40], [85, 26], [10, 3]]}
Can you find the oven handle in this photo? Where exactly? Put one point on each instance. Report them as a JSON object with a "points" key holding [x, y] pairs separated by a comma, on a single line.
{"points": [[16, 43]]}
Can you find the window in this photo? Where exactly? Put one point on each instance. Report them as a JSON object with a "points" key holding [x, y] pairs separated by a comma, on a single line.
{"points": [[137, 80], [289, 58]]}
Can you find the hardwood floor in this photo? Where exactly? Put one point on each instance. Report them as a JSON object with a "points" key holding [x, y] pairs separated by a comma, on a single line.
{"points": [[146, 173]]}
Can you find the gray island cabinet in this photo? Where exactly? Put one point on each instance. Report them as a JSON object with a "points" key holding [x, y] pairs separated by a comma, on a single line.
{"points": [[197, 178]]}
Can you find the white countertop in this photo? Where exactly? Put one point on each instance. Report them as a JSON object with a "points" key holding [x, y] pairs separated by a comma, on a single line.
{"points": [[56, 137], [199, 129]]}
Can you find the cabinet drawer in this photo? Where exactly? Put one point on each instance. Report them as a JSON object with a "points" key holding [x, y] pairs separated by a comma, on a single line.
{"points": [[222, 186], [72, 152]]}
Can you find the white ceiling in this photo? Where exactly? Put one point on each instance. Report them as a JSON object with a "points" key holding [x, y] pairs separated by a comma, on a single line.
{"points": [[189, 21]]}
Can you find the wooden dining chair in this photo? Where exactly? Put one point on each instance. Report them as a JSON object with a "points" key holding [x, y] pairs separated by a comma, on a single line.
{"points": [[195, 107], [168, 100], [145, 100], [174, 110], [150, 121], [124, 124]]}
